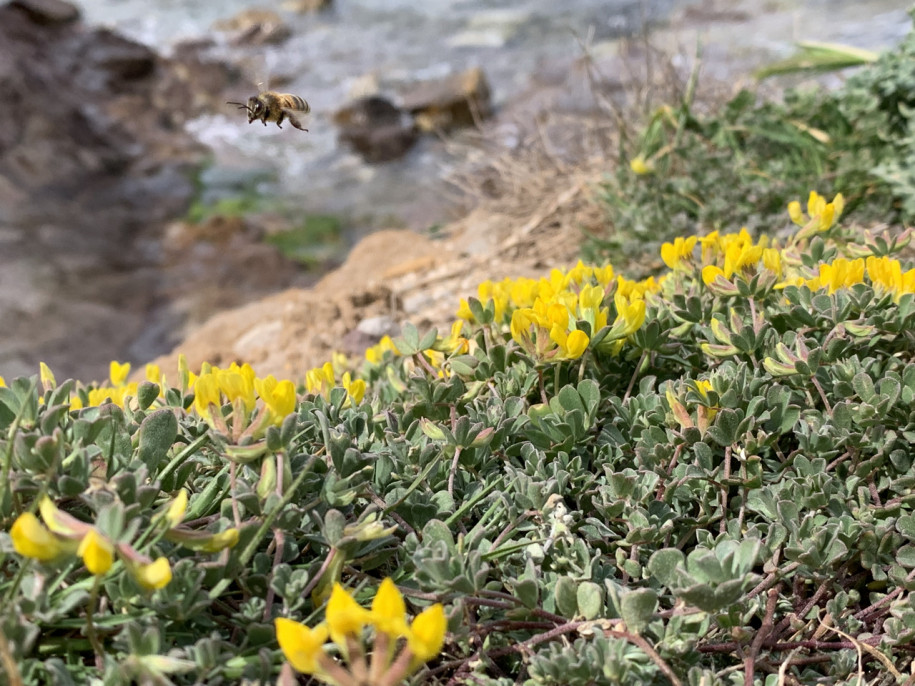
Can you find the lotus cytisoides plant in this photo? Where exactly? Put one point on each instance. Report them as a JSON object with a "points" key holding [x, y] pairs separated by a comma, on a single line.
{"points": [[345, 623]]}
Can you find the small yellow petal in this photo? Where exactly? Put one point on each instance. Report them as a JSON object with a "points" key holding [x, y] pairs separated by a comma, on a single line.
{"points": [[97, 552], [576, 344], [388, 610], [47, 376], [301, 645], [154, 575], [220, 541], [118, 372], [177, 508], [345, 617], [32, 539], [427, 633]]}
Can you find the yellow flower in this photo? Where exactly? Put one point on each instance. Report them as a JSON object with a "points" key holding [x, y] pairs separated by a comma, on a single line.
{"points": [[2, 382], [301, 646], [176, 509], [47, 376], [355, 388], [840, 273], [32, 539], [887, 275], [97, 552], [640, 166], [237, 383], [345, 617], [206, 394], [320, 380], [60, 522], [631, 311], [279, 396], [427, 633], [388, 610], [710, 273], [376, 353], [154, 374], [118, 372], [794, 211], [571, 345], [821, 215], [674, 254], [455, 342], [154, 575]]}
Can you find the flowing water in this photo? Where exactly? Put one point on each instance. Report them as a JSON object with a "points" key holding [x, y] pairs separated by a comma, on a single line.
{"points": [[332, 54]]}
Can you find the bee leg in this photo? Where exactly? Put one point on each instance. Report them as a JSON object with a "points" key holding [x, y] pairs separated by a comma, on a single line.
{"points": [[279, 120]]}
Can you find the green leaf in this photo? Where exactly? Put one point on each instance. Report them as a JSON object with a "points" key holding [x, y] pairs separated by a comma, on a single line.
{"points": [[664, 563], [589, 390], [590, 600], [724, 430], [528, 592], [637, 608], [864, 387], [905, 556], [157, 435], [566, 597]]}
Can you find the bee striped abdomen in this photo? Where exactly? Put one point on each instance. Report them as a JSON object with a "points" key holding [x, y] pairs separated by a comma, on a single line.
{"points": [[294, 102]]}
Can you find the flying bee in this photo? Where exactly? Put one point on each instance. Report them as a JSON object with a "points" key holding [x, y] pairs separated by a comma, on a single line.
{"points": [[274, 106]]}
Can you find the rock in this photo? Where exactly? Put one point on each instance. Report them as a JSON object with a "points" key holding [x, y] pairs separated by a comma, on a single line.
{"points": [[375, 128], [288, 333], [378, 327], [455, 101], [48, 12], [87, 181], [120, 58], [255, 26], [220, 262], [306, 6]]}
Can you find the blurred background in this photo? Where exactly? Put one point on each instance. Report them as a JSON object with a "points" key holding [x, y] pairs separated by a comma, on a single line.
{"points": [[135, 203]]}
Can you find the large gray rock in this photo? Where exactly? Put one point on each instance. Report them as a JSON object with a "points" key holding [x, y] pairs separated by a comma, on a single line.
{"points": [[93, 161]]}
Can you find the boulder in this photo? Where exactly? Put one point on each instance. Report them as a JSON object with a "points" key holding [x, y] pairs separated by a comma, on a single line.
{"points": [[455, 101], [375, 128], [48, 12], [255, 26], [87, 181]]}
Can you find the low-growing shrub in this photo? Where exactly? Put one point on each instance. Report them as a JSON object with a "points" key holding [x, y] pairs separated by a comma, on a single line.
{"points": [[703, 478], [740, 163]]}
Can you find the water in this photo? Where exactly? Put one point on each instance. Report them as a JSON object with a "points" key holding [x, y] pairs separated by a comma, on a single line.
{"points": [[332, 54], [329, 56]]}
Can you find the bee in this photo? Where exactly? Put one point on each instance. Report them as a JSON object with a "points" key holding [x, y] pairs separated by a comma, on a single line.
{"points": [[274, 106]]}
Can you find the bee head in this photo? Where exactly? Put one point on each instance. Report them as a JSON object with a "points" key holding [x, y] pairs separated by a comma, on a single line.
{"points": [[255, 108]]}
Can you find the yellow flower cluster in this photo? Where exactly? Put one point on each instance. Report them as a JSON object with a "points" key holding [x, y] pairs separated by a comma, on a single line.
{"points": [[241, 387], [725, 256], [118, 390], [62, 535], [321, 380], [821, 215], [884, 273], [544, 314], [509, 295], [344, 624]]}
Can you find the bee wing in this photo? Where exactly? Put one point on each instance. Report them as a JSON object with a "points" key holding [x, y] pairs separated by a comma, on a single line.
{"points": [[292, 112]]}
